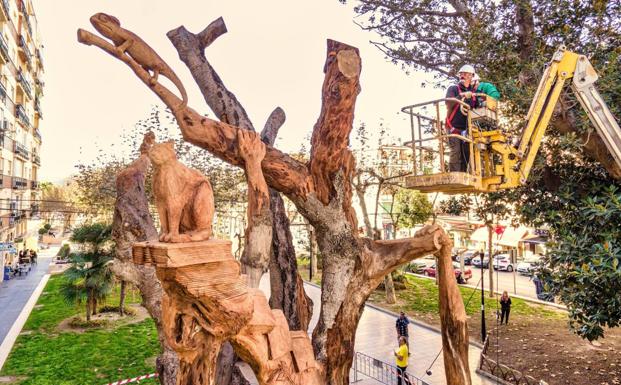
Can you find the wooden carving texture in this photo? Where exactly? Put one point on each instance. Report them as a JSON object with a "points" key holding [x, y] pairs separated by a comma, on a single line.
{"points": [[321, 190], [183, 196], [207, 302]]}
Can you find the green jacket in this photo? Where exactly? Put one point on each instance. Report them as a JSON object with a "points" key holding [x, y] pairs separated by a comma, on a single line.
{"points": [[488, 89]]}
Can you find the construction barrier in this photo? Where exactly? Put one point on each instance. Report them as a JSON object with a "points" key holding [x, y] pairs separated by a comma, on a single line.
{"points": [[129, 380]]}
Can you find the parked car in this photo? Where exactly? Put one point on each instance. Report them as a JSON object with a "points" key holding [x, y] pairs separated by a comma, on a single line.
{"points": [[476, 261], [457, 252], [503, 262], [467, 256], [415, 267], [431, 271], [526, 266]]}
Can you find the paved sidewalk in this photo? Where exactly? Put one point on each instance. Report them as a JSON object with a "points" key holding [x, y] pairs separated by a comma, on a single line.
{"points": [[15, 293], [376, 337]]}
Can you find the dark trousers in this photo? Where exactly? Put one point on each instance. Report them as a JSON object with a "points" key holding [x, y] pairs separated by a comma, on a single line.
{"points": [[402, 374], [504, 315], [459, 155]]}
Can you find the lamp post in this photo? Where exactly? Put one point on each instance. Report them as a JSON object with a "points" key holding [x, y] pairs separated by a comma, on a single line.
{"points": [[483, 331]]}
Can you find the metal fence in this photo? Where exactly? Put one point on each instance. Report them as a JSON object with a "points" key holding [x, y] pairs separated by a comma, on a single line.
{"points": [[367, 366]]}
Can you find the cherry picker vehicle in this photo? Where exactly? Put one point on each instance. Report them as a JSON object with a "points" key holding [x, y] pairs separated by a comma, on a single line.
{"points": [[498, 161]]}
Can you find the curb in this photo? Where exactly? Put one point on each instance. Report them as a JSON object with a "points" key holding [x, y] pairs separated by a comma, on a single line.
{"points": [[13, 333], [415, 322]]}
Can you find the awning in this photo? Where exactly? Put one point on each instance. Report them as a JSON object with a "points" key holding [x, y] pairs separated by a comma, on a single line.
{"points": [[535, 239], [510, 237]]}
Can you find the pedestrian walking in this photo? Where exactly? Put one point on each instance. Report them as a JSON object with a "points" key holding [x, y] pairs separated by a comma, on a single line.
{"points": [[505, 307], [402, 328], [401, 355]]}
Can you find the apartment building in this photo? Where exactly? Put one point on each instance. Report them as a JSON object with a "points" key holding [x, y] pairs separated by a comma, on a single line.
{"points": [[21, 89]]}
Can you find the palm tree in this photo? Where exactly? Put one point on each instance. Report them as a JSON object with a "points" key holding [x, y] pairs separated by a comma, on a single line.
{"points": [[89, 279]]}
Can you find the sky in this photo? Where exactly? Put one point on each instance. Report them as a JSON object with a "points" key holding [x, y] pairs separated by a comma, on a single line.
{"points": [[272, 55]]}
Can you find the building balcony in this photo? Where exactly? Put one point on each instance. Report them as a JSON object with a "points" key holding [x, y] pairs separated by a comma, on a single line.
{"points": [[21, 151], [3, 93], [25, 84], [20, 112], [4, 50], [24, 51], [4, 12], [34, 184], [37, 134], [40, 57], [19, 183], [36, 159], [38, 107]]}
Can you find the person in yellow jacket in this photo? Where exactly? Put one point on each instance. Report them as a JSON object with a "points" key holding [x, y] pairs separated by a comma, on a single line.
{"points": [[401, 355]]}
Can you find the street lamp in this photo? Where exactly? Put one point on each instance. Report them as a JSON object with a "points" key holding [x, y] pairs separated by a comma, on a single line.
{"points": [[483, 331]]}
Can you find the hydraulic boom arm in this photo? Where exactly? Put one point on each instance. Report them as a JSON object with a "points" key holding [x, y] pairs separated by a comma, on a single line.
{"points": [[566, 65]]}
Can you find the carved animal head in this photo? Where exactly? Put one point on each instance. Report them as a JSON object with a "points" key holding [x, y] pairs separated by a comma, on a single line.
{"points": [[107, 25], [161, 153]]}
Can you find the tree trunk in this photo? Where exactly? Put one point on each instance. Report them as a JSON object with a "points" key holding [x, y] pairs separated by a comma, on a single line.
{"points": [[389, 287], [132, 223], [453, 320], [88, 306], [490, 267], [122, 298], [287, 287], [94, 306]]}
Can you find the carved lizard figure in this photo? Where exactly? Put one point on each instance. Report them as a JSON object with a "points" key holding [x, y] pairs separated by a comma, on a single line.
{"points": [[127, 41]]}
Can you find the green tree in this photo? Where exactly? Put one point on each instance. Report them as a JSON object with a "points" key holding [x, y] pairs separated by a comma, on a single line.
{"points": [[89, 279], [510, 42], [413, 208]]}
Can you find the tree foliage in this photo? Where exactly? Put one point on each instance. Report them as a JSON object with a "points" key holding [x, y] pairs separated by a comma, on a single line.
{"points": [[509, 42], [96, 189], [89, 279]]}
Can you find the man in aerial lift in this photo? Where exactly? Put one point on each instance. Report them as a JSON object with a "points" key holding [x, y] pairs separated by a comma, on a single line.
{"points": [[456, 121]]}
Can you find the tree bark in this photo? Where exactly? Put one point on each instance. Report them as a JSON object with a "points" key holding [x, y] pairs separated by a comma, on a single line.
{"points": [[453, 320], [132, 223], [122, 298], [88, 306], [287, 287], [389, 287]]}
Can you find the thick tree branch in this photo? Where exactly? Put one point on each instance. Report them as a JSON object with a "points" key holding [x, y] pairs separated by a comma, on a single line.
{"points": [[272, 125], [330, 141], [281, 171], [387, 255], [213, 31], [191, 51]]}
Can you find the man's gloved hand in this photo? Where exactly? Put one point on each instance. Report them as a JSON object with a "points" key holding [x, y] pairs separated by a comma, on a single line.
{"points": [[467, 95]]}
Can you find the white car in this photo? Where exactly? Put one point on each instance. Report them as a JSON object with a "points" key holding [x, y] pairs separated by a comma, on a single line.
{"points": [[503, 262], [526, 266]]}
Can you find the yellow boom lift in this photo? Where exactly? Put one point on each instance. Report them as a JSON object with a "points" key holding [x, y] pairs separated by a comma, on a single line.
{"points": [[496, 161]]}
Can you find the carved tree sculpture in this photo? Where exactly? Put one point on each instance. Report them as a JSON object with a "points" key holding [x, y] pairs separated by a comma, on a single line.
{"points": [[183, 197], [321, 190], [208, 301]]}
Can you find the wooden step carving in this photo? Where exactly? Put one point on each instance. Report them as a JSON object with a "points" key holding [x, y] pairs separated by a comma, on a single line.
{"points": [[207, 302]]}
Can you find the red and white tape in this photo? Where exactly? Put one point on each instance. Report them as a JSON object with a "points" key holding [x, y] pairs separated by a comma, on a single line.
{"points": [[139, 378]]}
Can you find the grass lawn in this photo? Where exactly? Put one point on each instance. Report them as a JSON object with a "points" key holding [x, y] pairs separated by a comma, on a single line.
{"points": [[43, 355]]}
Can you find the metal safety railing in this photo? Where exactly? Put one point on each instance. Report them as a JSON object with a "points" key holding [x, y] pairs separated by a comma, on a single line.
{"points": [[366, 366], [430, 136]]}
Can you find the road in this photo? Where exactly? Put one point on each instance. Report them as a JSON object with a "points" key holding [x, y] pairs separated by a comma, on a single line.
{"points": [[504, 281], [15, 293]]}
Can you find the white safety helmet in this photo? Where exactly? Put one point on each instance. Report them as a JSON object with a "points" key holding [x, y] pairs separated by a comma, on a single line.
{"points": [[467, 68], [476, 78]]}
